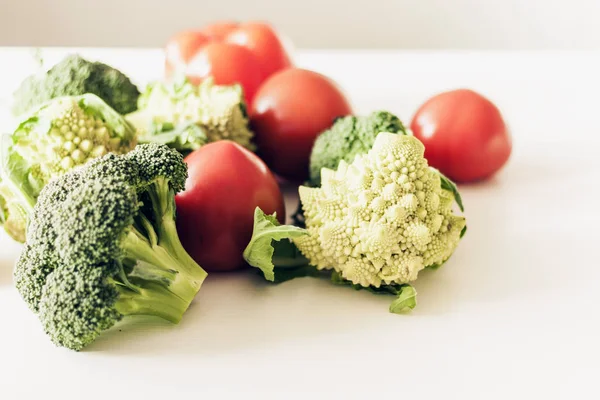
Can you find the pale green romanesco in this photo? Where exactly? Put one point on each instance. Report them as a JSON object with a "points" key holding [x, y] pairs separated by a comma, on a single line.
{"points": [[53, 139], [375, 223], [186, 116], [382, 218]]}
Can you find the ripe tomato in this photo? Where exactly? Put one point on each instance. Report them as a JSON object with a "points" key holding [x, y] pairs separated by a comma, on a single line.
{"points": [[229, 51], [289, 111], [227, 64], [263, 42], [215, 213], [464, 135]]}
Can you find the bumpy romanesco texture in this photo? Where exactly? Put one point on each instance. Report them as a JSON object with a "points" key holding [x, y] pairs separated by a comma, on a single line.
{"points": [[348, 137], [74, 76], [185, 116], [53, 139], [382, 218]]}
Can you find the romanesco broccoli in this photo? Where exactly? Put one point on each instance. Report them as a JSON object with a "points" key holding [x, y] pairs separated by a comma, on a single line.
{"points": [[75, 76], [185, 116], [59, 135], [375, 222]]}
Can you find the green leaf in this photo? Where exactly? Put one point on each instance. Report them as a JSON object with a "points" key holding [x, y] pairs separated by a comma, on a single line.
{"points": [[15, 173], [260, 251], [407, 295], [450, 186], [463, 232], [406, 300]]}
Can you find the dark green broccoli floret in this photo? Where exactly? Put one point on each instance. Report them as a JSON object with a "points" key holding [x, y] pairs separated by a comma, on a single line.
{"points": [[74, 76], [348, 137], [103, 244]]}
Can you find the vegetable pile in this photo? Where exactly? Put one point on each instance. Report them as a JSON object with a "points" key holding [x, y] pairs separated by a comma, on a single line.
{"points": [[126, 199]]}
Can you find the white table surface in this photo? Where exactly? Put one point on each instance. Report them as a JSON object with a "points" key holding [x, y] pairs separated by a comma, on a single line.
{"points": [[514, 314]]}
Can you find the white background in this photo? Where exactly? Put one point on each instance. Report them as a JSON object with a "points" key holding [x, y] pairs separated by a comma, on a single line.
{"points": [[408, 24], [513, 315]]}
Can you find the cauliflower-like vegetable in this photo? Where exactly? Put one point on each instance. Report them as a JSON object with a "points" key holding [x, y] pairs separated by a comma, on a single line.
{"points": [[374, 223], [400, 223], [185, 116], [58, 136]]}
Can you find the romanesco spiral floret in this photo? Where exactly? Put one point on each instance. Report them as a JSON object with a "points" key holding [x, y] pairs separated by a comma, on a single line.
{"points": [[400, 222], [62, 134]]}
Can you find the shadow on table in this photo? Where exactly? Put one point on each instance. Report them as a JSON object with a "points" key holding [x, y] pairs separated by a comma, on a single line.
{"points": [[234, 312]]}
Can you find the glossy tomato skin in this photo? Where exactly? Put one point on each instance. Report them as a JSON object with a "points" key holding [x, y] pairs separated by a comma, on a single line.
{"points": [[215, 213], [464, 134], [264, 43], [228, 64], [230, 51], [289, 111]]}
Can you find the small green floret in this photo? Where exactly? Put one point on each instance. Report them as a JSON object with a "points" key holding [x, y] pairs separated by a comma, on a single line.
{"points": [[348, 137], [75, 76]]}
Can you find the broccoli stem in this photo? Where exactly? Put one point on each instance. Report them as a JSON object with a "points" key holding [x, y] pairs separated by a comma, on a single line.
{"points": [[162, 197], [165, 283], [151, 299]]}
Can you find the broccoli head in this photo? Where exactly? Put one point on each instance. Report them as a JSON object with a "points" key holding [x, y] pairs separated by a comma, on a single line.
{"points": [[74, 76], [53, 139], [185, 116], [103, 245], [348, 137]]}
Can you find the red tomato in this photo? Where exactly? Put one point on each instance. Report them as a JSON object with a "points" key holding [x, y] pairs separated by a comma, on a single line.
{"points": [[227, 64], [180, 50], [215, 213], [289, 111], [464, 135], [231, 52], [264, 43]]}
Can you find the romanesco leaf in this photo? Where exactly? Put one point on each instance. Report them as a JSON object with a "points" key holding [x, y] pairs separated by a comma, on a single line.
{"points": [[407, 295], [260, 251], [450, 186], [406, 300]]}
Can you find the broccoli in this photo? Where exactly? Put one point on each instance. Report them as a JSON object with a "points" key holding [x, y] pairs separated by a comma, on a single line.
{"points": [[185, 116], [375, 222], [74, 76], [102, 245], [348, 137], [58, 136]]}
